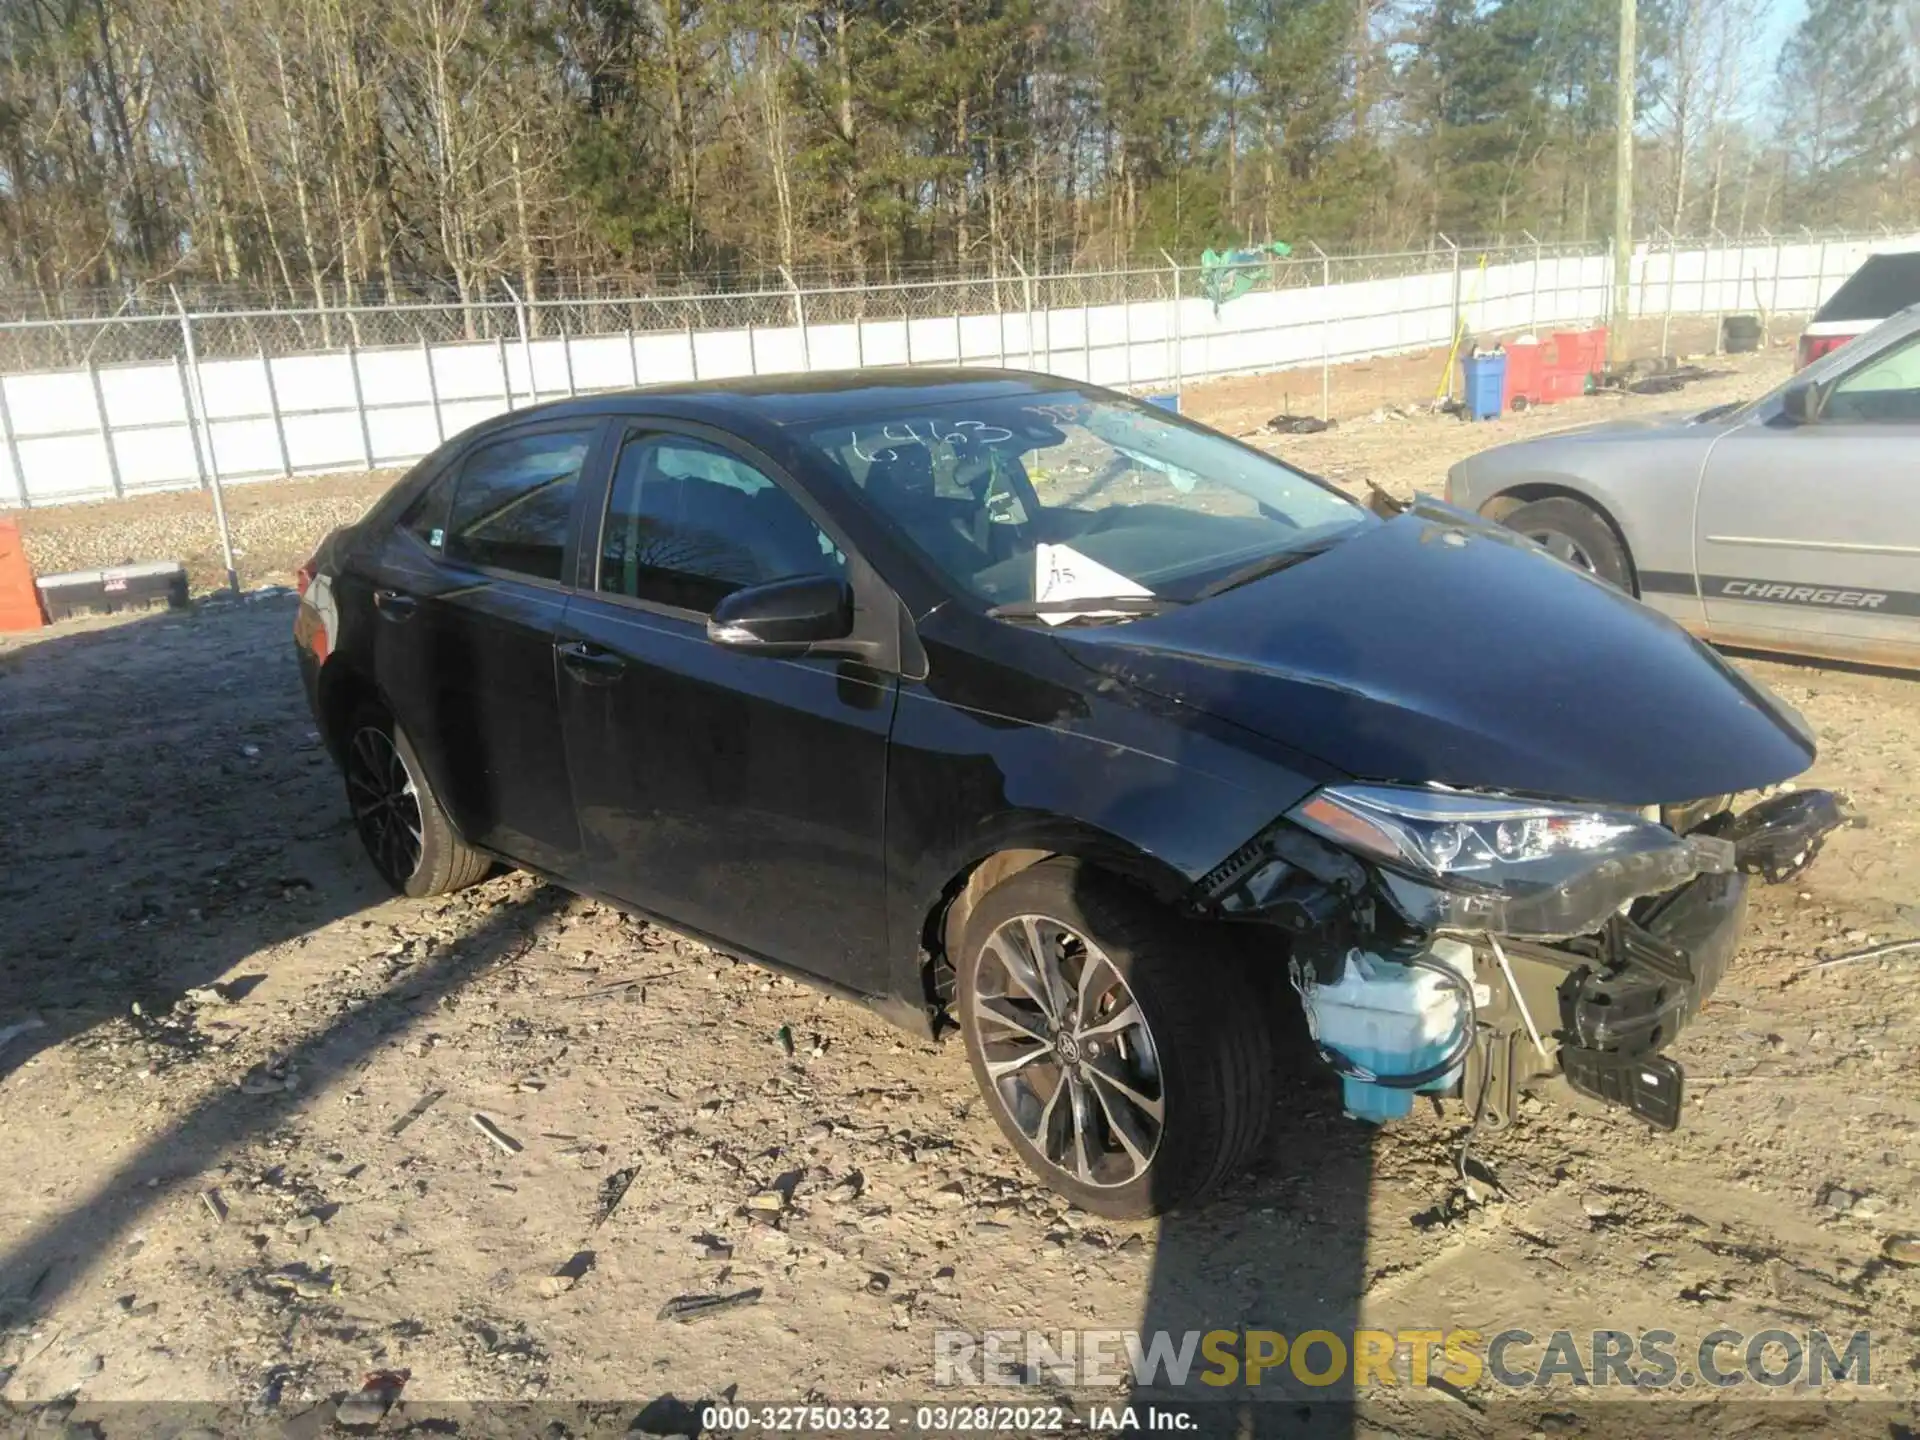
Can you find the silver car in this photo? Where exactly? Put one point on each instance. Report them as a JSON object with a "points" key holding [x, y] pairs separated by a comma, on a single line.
{"points": [[1790, 523]]}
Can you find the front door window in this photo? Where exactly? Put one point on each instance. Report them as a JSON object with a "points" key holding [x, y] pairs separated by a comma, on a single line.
{"points": [[689, 523]]}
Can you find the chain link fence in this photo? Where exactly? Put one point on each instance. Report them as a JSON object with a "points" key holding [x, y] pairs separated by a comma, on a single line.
{"points": [[142, 333], [155, 399]]}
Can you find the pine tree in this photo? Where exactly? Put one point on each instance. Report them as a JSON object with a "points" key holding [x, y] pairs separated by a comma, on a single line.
{"points": [[1847, 93]]}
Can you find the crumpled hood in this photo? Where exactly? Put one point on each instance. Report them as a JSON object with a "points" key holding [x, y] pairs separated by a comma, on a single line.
{"points": [[1438, 647]]}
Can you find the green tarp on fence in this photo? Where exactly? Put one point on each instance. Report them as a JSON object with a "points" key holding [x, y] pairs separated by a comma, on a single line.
{"points": [[1227, 275]]}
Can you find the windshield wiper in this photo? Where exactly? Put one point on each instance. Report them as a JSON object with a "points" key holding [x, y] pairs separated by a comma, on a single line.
{"points": [[1270, 565], [1091, 605]]}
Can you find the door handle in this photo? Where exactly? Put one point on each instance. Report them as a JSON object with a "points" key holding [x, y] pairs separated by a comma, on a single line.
{"points": [[393, 605], [591, 664]]}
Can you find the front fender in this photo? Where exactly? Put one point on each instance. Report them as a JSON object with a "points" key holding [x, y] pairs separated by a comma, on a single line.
{"points": [[1097, 774], [1644, 482]]}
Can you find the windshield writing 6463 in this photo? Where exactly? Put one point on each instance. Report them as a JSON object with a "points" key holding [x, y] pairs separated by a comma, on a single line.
{"points": [[954, 433]]}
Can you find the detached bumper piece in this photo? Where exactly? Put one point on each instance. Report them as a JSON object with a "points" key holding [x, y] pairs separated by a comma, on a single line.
{"points": [[1655, 970], [1778, 838], [1651, 1086], [1650, 977]]}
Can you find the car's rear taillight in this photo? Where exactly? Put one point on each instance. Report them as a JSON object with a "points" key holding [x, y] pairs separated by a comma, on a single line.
{"points": [[316, 618], [1812, 347]]}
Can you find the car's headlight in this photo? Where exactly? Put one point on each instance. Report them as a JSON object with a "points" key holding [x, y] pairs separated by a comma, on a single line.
{"points": [[1460, 861]]}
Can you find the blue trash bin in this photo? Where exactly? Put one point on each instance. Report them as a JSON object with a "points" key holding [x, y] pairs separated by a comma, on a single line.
{"points": [[1166, 402], [1484, 377]]}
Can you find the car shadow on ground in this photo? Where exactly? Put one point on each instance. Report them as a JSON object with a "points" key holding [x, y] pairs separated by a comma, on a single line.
{"points": [[169, 813], [1811, 666], [1269, 1274], [41, 1265]]}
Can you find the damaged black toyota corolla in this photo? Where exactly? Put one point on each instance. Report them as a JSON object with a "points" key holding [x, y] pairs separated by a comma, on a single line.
{"points": [[998, 700]]}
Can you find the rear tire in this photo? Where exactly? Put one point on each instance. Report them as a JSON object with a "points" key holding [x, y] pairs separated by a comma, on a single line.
{"points": [[1576, 533], [406, 833], [1127, 1118]]}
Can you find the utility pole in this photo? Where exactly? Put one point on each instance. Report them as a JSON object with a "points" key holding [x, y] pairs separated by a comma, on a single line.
{"points": [[1623, 184]]}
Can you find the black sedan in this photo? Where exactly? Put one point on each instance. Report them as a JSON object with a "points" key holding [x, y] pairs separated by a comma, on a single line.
{"points": [[995, 700]]}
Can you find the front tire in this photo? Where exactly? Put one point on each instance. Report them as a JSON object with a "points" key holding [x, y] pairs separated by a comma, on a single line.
{"points": [[405, 831], [1127, 1061], [1575, 532]]}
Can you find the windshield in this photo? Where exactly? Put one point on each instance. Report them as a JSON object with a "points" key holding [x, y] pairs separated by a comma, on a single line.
{"points": [[1056, 497]]}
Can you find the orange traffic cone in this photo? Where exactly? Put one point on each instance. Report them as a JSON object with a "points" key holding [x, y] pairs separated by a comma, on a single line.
{"points": [[19, 596]]}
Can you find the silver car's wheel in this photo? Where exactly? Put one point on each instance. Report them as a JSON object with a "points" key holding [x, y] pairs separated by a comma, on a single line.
{"points": [[1069, 1052], [1121, 1049], [1562, 547], [1574, 532]]}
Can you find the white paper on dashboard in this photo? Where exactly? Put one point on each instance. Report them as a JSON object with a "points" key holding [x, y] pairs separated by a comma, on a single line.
{"points": [[1061, 572]]}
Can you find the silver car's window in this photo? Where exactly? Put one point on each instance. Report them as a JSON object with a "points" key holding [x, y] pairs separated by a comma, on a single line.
{"points": [[1885, 390]]}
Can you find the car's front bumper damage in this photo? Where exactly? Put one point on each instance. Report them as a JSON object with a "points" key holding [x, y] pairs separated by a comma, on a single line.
{"points": [[1597, 1011], [1594, 1012]]}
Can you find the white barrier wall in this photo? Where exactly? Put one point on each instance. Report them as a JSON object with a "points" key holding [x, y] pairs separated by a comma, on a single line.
{"points": [[70, 435]]}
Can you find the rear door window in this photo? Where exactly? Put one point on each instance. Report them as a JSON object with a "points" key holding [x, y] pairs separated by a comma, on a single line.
{"points": [[426, 517], [513, 504], [688, 523]]}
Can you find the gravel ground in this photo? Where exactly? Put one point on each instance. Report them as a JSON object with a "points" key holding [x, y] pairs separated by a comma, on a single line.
{"points": [[247, 1164], [275, 525]]}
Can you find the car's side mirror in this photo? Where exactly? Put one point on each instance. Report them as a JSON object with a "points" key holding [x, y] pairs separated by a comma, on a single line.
{"points": [[783, 617], [1801, 403]]}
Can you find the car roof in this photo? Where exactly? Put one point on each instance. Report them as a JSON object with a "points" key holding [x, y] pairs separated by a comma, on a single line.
{"points": [[812, 396]]}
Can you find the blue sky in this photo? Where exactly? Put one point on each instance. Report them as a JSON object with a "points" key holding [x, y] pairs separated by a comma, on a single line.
{"points": [[1779, 22]]}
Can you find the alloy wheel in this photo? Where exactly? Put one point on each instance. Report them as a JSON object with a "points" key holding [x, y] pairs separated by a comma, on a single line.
{"points": [[1068, 1053], [1564, 547], [385, 802]]}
